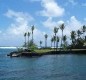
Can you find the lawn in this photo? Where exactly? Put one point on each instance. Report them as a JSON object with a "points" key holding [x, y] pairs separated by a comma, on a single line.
{"points": [[43, 50]]}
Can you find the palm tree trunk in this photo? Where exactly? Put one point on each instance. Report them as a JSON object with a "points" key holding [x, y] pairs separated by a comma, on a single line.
{"points": [[62, 36], [32, 37], [45, 42], [56, 46], [61, 39], [25, 41], [51, 44], [40, 45], [55, 41], [28, 41], [83, 35]]}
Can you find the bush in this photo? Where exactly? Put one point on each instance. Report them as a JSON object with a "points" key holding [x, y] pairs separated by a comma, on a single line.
{"points": [[20, 49]]}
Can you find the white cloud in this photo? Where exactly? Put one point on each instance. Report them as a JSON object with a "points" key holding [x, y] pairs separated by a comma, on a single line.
{"points": [[71, 24], [50, 23], [74, 24], [38, 35], [13, 35], [20, 24], [84, 19], [51, 9]]}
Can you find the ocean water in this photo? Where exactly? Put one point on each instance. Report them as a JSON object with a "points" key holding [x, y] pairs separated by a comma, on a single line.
{"points": [[48, 67]]}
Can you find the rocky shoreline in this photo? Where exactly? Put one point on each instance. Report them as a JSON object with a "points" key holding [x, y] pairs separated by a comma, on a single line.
{"points": [[30, 54]]}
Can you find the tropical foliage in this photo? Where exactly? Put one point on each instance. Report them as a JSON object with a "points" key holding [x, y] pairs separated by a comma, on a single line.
{"points": [[62, 28], [78, 39], [46, 36]]}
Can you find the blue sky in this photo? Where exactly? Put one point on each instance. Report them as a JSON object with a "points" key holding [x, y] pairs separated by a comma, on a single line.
{"points": [[16, 17]]}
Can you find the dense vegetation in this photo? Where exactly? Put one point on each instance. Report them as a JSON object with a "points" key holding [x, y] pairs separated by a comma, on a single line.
{"points": [[78, 39]]}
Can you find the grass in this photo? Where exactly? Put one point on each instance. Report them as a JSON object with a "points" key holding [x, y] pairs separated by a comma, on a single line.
{"points": [[43, 50]]}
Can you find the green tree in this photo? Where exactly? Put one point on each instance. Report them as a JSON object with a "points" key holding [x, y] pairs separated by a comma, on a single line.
{"points": [[40, 44], [52, 41], [55, 30], [62, 28], [79, 33], [57, 41], [32, 32], [54, 38], [64, 40], [25, 34], [32, 45], [73, 37], [28, 34], [46, 36], [83, 30]]}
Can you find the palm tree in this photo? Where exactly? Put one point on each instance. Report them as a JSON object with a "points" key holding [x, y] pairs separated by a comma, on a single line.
{"points": [[28, 34], [46, 36], [25, 34], [62, 28], [40, 44], [54, 38], [79, 33], [32, 32], [83, 29], [55, 30], [73, 36], [64, 39], [57, 41], [52, 41]]}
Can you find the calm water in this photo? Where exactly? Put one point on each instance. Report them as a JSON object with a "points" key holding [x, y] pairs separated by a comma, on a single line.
{"points": [[49, 67]]}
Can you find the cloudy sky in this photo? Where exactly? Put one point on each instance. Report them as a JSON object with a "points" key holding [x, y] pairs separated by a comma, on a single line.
{"points": [[17, 16]]}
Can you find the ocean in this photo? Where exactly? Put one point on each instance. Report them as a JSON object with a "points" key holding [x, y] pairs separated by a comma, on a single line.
{"points": [[47, 67]]}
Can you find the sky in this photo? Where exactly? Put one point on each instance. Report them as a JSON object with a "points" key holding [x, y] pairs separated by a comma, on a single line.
{"points": [[17, 17]]}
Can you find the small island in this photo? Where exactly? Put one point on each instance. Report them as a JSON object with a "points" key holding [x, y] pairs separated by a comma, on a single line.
{"points": [[74, 45]]}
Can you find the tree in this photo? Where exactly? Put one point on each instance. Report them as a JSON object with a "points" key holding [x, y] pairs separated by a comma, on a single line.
{"points": [[52, 41], [25, 34], [32, 32], [83, 29], [73, 37], [64, 40], [55, 30], [57, 41], [54, 38], [32, 45], [28, 37], [46, 36], [62, 28], [40, 44], [79, 33]]}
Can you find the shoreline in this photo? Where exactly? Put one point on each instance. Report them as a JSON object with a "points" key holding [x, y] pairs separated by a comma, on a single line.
{"points": [[30, 54]]}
